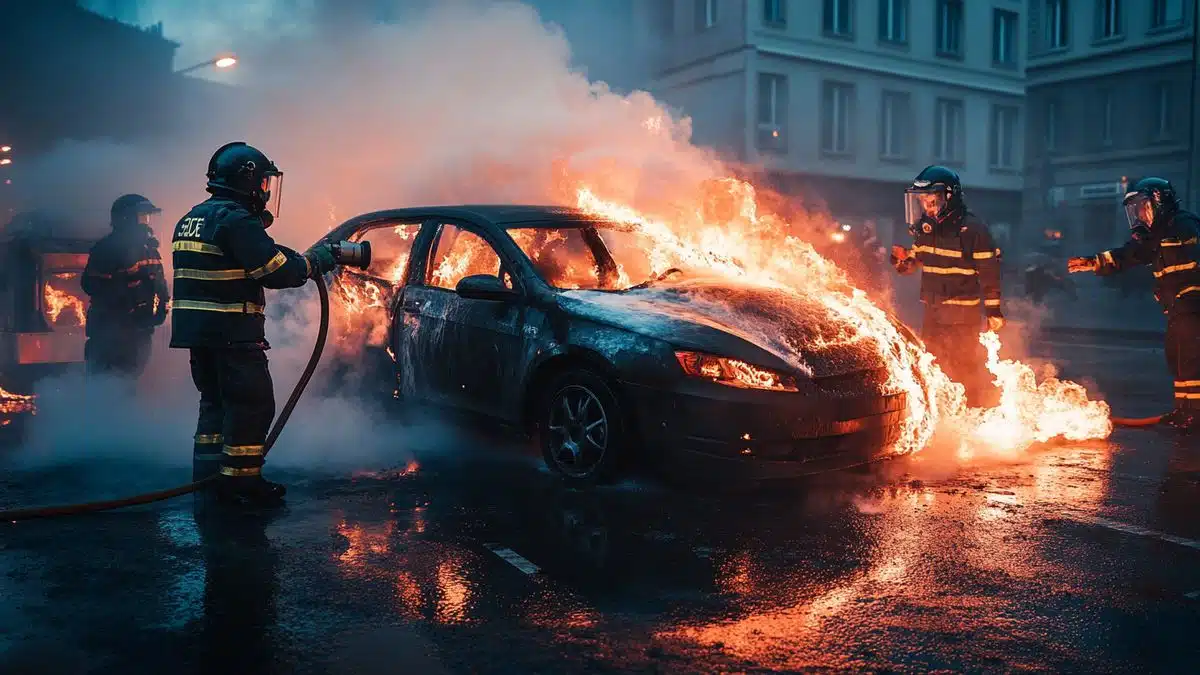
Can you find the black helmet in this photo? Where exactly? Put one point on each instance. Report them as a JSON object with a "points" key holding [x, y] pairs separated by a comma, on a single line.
{"points": [[244, 170], [132, 208], [935, 195], [1148, 201]]}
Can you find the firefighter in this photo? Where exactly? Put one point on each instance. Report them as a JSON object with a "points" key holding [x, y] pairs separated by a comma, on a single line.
{"points": [[1043, 273], [128, 291], [1163, 236], [223, 259], [960, 274]]}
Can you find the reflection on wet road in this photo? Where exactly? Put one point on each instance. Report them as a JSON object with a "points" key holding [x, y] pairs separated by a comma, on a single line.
{"points": [[1074, 558]]}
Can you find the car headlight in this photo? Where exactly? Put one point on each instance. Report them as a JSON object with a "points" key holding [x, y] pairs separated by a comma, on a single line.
{"points": [[734, 373]]}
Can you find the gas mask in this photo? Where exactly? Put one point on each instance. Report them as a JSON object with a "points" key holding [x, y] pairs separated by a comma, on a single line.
{"points": [[924, 207]]}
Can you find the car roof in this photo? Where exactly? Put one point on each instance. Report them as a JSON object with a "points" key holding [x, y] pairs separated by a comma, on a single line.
{"points": [[501, 215]]}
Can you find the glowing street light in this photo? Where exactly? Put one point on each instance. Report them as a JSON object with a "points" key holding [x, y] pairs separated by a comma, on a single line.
{"points": [[5, 148], [227, 61], [5, 161]]}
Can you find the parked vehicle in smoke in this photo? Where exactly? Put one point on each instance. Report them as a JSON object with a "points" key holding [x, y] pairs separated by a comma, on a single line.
{"points": [[548, 318]]}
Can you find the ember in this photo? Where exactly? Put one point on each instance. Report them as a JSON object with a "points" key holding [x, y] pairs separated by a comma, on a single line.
{"points": [[16, 404], [58, 301]]}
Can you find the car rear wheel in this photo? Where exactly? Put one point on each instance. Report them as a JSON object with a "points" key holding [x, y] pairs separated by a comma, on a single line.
{"points": [[581, 428]]}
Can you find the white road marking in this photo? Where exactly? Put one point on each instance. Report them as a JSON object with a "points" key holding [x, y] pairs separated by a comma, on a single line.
{"points": [[1132, 529], [1192, 596], [513, 558]]}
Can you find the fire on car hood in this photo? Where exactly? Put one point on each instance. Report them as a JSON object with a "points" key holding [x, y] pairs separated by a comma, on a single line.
{"points": [[772, 328]]}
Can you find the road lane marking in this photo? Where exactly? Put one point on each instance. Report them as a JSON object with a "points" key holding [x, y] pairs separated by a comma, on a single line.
{"points": [[1132, 529], [513, 558], [1192, 596]]}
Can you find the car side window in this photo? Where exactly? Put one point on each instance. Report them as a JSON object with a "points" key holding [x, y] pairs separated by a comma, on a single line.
{"points": [[461, 253], [391, 246]]}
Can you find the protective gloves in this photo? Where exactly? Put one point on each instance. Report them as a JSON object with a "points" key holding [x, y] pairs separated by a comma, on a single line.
{"points": [[320, 259], [1088, 264]]}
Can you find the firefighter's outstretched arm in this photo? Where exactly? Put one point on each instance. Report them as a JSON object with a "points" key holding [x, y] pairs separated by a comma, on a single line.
{"points": [[903, 260], [1133, 253], [264, 261]]}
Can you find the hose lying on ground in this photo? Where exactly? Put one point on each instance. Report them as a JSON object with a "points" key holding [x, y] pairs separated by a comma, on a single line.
{"points": [[15, 515], [1136, 421]]}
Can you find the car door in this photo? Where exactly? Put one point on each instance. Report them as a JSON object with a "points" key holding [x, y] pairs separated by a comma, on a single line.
{"points": [[474, 346], [416, 326]]}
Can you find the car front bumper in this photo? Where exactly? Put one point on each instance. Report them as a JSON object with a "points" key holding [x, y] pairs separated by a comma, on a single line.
{"points": [[706, 430]]}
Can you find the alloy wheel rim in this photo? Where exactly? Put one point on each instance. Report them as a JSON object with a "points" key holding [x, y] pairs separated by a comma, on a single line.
{"points": [[579, 430]]}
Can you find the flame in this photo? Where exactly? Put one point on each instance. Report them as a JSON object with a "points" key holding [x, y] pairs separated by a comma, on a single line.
{"points": [[764, 250], [57, 301], [15, 404]]}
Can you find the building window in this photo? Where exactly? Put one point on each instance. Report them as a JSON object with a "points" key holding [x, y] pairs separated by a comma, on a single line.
{"points": [[663, 18], [1056, 24], [1106, 118], [838, 14], [837, 111], [775, 12], [1167, 13], [948, 131], [1109, 23], [772, 111], [706, 14], [1163, 119], [896, 123], [1051, 125], [949, 27], [893, 21], [1004, 138], [1004, 38]]}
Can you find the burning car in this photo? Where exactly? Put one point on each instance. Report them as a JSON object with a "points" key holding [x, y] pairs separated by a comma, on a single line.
{"points": [[553, 319]]}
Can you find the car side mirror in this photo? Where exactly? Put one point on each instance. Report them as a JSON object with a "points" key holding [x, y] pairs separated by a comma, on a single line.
{"points": [[483, 287]]}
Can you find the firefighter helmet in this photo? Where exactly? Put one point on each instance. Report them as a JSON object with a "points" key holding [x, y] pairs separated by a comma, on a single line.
{"points": [[935, 194], [132, 208], [246, 171], [1148, 201]]}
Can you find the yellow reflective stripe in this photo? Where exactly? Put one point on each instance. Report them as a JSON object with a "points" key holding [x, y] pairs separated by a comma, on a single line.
{"points": [[204, 306], [273, 264], [994, 302], [210, 275], [1174, 242], [209, 438], [948, 252], [964, 302], [1189, 289], [249, 471], [145, 262], [1180, 394], [197, 247], [1187, 383], [983, 255], [1176, 268], [243, 450], [1108, 257], [948, 270], [210, 457]]}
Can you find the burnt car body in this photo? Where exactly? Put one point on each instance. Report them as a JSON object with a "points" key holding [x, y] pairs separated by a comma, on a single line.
{"points": [[43, 307], [697, 375]]}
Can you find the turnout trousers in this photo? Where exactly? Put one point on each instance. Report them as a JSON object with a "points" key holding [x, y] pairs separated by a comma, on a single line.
{"points": [[237, 404], [960, 355], [1183, 359]]}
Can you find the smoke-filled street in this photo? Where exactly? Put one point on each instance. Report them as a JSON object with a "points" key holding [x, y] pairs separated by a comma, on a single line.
{"points": [[468, 556]]}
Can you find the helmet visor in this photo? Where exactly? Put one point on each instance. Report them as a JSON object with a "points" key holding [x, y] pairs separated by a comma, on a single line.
{"points": [[146, 213], [1139, 211], [921, 203], [272, 191]]}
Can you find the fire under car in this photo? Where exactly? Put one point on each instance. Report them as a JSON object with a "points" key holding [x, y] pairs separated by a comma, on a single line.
{"points": [[551, 320], [43, 309]]}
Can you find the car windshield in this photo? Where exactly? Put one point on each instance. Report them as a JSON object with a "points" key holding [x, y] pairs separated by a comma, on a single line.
{"points": [[593, 255]]}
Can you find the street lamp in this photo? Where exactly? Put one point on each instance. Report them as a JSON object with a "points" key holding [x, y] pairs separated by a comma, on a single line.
{"points": [[5, 148], [219, 62]]}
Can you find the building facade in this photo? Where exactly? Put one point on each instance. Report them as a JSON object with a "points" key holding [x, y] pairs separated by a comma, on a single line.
{"points": [[1110, 99], [847, 100]]}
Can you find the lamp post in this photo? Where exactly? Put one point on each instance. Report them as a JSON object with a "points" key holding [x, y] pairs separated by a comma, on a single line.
{"points": [[227, 61]]}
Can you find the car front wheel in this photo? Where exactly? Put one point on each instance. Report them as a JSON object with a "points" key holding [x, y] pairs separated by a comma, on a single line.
{"points": [[581, 428]]}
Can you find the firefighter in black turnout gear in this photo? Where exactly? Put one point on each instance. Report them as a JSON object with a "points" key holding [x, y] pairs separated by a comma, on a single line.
{"points": [[1164, 236], [960, 274], [223, 259], [128, 291]]}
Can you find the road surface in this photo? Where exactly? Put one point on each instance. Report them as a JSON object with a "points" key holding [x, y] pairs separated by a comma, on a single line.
{"points": [[473, 559]]}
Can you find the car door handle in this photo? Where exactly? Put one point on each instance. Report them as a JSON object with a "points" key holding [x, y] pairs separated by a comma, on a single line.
{"points": [[413, 306]]}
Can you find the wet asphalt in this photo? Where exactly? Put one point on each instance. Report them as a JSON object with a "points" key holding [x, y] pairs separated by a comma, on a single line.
{"points": [[1068, 559]]}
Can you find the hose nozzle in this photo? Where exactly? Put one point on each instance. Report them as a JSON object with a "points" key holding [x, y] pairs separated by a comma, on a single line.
{"points": [[352, 254]]}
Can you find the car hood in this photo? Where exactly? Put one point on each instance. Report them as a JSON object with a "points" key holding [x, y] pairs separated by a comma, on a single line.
{"points": [[773, 328]]}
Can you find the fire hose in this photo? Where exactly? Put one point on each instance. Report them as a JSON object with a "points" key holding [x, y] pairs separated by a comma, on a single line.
{"points": [[346, 253]]}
